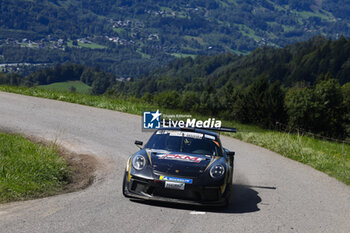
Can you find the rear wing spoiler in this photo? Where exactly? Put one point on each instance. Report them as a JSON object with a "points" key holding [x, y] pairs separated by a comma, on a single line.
{"points": [[222, 129]]}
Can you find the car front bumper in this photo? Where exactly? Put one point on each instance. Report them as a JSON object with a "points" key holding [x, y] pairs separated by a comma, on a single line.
{"points": [[155, 190]]}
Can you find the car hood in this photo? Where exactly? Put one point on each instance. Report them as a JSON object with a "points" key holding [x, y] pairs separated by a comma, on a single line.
{"points": [[178, 163]]}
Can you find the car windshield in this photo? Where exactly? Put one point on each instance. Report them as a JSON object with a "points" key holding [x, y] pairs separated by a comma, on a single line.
{"points": [[188, 142]]}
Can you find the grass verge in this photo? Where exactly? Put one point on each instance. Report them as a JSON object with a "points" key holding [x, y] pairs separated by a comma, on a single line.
{"points": [[331, 158], [328, 157], [29, 170]]}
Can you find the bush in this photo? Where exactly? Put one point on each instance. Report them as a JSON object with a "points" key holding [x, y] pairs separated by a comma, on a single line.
{"points": [[319, 109], [190, 101], [168, 99]]}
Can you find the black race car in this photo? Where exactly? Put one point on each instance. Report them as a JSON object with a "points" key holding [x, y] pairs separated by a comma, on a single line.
{"points": [[182, 165]]}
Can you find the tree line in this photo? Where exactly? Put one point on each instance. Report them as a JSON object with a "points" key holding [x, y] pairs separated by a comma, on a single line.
{"points": [[305, 85], [322, 109], [99, 80]]}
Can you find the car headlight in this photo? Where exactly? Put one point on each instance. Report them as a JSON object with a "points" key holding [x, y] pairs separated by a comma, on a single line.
{"points": [[139, 162], [217, 171]]}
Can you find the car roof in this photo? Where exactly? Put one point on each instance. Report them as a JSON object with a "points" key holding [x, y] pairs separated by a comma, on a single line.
{"points": [[191, 130]]}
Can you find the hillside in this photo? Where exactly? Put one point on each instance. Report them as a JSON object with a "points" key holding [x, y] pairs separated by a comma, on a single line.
{"points": [[132, 37], [302, 63]]}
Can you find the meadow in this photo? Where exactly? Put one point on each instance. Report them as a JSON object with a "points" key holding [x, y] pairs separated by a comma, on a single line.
{"points": [[77, 86]]}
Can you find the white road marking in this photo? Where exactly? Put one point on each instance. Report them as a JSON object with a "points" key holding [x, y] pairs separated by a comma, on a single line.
{"points": [[197, 212]]}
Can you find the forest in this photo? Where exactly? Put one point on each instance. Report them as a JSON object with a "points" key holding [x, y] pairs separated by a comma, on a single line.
{"points": [[304, 86]]}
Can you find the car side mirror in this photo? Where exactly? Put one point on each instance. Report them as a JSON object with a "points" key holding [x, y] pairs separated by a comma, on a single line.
{"points": [[230, 153], [139, 144]]}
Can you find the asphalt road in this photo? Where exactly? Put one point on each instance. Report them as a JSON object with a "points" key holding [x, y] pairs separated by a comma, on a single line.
{"points": [[271, 193]]}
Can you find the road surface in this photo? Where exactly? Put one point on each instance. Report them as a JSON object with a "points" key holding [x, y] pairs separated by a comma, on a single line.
{"points": [[271, 193]]}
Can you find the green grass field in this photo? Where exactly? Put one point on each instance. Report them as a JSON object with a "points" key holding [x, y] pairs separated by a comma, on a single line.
{"points": [[329, 157], [28, 170], [119, 30], [183, 55], [79, 86], [247, 31], [144, 55], [307, 14], [89, 46], [197, 38]]}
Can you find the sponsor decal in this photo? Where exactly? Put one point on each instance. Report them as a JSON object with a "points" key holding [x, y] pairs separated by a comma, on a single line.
{"points": [[151, 120], [174, 185], [175, 179], [185, 134], [209, 137], [185, 158]]}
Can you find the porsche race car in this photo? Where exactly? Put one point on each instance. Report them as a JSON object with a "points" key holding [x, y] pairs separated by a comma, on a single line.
{"points": [[182, 165]]}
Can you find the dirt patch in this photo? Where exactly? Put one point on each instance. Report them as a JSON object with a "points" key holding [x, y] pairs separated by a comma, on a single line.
{"points": [[82, 167]]}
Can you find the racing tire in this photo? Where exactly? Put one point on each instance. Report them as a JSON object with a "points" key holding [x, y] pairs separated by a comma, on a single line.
{"points": [[228, 194], [125, 183]]}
